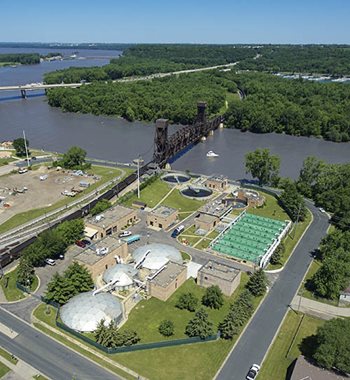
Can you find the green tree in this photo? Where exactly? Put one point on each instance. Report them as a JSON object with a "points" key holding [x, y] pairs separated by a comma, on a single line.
{"points": [[263, 166], [25, 272], [80, 277], [100, 206], [311, 169], [277, 254], [333, 345], [70, 231], [19, 146], [200, 325], [187, 301], [293, 203], [74, 158], [228, 327], [257, 283], [100, 332], [213, 297], [166, 327]]}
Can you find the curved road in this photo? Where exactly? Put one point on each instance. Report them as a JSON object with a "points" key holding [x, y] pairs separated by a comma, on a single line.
{"points": [[256, 340], [48, 356]]}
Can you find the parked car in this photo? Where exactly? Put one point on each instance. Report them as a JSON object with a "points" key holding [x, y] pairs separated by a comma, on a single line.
{"points": [[22, 170], [125, 234], [253, 372], [177, 231], [86, 242], [79, 243], [131, 239], [322, 209], [50, 262]]}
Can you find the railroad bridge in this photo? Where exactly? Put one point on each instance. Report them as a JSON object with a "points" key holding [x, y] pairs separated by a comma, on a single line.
{"points": [[167, 147]]}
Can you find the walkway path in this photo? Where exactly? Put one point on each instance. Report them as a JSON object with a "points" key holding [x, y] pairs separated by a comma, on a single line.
{"points": [[19, 371], [319, 309]]}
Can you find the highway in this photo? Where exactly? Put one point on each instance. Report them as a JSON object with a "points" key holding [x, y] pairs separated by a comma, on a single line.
{"points": [[256, 340], [46, 355]]}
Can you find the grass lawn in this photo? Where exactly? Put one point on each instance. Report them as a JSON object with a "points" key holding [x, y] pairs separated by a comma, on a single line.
{"points": [[12, 293], [286, 346], [106, 175], [179, 202], [185, 256], [8, 356], [151, 194], [172, 363], [203, 244], [213, 234], [190, 240], [291, 240], [271, 208], [39, 377], [5, 161], [3, 369]]}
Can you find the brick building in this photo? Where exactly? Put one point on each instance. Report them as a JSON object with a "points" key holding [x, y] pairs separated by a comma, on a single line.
{"points": [[216, 182], [225, 277], [163, 283], [162, 217]]}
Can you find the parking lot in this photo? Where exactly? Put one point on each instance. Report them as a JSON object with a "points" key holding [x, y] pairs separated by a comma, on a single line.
{"points": [[24, 192]]}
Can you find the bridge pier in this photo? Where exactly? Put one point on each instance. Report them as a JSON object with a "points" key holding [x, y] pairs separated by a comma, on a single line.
{"points": [[24, 94]]}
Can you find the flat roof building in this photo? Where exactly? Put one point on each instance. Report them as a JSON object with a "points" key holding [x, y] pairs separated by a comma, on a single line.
{"points": [[110, 221], [164, 282], [162, 217], [216, 208], [103, 254], [224, 276], [216, 182], [206, 222]]}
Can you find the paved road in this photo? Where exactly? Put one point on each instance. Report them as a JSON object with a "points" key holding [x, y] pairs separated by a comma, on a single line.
{"points": [[46, 355], [257, 338]]}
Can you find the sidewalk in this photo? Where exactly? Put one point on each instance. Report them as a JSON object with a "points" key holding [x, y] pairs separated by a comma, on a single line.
{"points": [[19, 371], [319, 309]]}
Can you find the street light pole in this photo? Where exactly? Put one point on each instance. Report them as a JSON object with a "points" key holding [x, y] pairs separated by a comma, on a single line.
{"points": [[26, 148], [138, 177]]}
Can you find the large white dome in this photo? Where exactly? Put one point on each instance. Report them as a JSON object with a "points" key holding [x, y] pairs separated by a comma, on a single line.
{"points": [[84, 311], [123, 273], [159, 255]]}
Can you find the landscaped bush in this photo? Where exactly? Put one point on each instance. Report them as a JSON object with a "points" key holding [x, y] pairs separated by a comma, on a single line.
{"points": [[166, 328], [110, 336], [200, 325], [213, 297], [187, 301]]}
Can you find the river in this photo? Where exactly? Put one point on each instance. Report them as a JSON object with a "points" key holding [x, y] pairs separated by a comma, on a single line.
{"points": [[115, 139]]}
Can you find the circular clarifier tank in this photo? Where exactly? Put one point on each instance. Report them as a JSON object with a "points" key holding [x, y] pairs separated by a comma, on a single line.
{"points": [[196, 192], [176, 178]]}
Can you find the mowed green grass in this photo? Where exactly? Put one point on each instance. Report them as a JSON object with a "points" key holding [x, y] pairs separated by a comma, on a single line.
{"points": [[181, 203], [3, 369], [151, 194], [12, 293], [8, 356], [271, 208], [285, 349]]}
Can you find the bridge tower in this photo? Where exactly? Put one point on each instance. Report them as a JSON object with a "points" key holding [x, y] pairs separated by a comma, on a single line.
{"points": [[201, 113], [160, 141], [24, 94]]}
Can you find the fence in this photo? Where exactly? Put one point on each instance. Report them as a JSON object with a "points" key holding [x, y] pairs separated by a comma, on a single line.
{"points": [[116, 350]]}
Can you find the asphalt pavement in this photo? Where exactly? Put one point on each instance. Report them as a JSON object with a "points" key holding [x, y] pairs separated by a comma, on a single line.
{"points": [[256, 340], [46, 355]]}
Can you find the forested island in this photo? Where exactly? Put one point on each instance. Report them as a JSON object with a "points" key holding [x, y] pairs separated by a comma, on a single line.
{"points": [[267, 103], [20, 58]]}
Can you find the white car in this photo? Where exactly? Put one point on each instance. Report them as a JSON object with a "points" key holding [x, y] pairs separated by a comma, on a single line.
{"points": [[253, 372], [125, 234], [50, 262], [322, 210]]}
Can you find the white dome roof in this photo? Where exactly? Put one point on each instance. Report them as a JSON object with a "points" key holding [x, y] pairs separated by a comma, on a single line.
{"points": [[160, 254], [84, 311], [123, 273]]}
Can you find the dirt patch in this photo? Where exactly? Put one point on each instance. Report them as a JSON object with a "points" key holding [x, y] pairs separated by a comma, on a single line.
{"points": [[36, 189]]}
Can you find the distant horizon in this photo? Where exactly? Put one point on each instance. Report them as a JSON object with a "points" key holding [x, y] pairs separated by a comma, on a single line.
{"points": [[168, 43]]}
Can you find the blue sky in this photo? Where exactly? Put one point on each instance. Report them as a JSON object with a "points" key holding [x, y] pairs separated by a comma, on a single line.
{"points": [[202, 21]]}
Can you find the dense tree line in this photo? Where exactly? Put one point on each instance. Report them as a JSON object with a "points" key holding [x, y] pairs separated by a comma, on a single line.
{"points": [[172, 98], [23, 58], [329, 186], [295, 107], [333, 276], [74, 280], [332, 60]]}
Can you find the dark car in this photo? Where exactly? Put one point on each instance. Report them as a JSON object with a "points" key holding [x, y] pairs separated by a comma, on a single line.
{"points": [[86, 242], [79, 243]]}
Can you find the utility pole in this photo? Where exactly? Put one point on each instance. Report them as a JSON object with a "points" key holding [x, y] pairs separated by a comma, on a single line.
{"points": [[26, 148], [297, 221], [138, 177]]}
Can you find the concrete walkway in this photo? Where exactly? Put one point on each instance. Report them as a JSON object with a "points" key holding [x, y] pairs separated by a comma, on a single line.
{"points": [[319, 309], [19, 371]]}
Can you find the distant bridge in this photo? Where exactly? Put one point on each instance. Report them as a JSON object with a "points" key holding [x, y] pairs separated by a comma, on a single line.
{"points": [[42, 86]]}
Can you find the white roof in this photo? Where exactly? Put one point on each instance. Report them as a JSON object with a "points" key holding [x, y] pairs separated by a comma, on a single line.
{"points": [[90, 232]]}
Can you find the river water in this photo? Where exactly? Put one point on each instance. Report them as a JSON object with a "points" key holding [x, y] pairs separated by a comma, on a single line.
{"points": [[115, 139]]}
